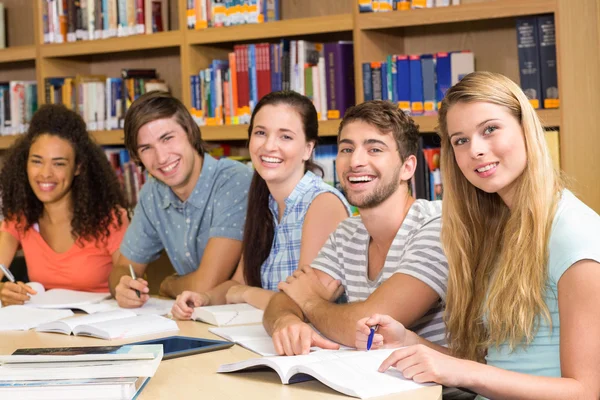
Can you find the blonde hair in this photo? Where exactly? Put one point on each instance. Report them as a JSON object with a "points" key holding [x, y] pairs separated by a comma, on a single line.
{"points": [[497, 256]]}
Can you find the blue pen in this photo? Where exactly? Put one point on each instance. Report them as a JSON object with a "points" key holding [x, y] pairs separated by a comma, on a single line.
{"points": [[371, 335]]}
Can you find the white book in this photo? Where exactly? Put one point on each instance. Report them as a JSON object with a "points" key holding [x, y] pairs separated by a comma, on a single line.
{"points": [[73, 389], [351, 372], [228, 314], [62, 298], [123, 328], [152, 307], [125, 361], [22, 318], [461, 64], [252, 337], [74, 325]]}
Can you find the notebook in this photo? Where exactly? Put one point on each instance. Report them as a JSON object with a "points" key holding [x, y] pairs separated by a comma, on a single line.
{"points": [[22, 318], [152, 306], [75, 324], [123, 328], [62, 298], [228, 314], [351, 372]]}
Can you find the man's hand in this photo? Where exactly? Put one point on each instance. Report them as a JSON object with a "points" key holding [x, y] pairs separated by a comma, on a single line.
{"points": [[125, 292], [185, 303], [165, 286], [15, 293], [293, 337], [304, 287]]}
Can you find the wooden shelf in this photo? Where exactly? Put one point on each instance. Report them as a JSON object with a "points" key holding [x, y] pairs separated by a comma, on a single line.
{"points": [[107, 138], [461, 13], [549, 118], [17, 53], [276, 29], [240, 132], [113, 45]]}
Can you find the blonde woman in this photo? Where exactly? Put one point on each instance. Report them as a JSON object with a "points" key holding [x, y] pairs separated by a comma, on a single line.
{"points": [[524, 260]]}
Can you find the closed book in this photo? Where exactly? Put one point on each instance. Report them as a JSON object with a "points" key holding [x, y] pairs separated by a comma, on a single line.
{"points": [[339, 72], [228, 314], [548, 65], [529, 59]]}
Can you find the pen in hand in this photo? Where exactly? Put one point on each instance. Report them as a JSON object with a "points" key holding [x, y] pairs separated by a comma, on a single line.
{"points": [[7, 273], [132, 272], [371, 335]]}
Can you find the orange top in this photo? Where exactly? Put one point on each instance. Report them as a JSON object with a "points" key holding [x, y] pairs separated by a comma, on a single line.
{"points": [[84, 267]]}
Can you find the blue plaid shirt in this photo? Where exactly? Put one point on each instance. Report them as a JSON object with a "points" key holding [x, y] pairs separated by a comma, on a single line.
{"points": [[285, 252]]}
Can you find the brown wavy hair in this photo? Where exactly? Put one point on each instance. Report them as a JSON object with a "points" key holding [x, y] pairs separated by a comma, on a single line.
{"points": [[259, 229], [97, 195]]}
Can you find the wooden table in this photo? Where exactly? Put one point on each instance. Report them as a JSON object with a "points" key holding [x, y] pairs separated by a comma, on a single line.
{"points": [[195, 377]]}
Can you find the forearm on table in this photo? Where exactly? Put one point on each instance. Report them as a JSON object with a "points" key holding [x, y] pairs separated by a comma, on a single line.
{"points": [[280, 306]]}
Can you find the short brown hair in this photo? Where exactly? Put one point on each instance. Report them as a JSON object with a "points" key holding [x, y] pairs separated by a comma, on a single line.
{"points": [[386, 117], [158, 105]]}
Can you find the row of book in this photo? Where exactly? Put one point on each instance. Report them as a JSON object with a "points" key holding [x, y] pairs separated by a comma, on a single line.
{"points": [[417, 83], [131, 177], [18, 103], [102, 101], [203, 14], [390, 5], [227, 91], [536, 43], [73, 20]]}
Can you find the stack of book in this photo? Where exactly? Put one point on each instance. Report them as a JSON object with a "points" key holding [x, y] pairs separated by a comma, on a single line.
{"points": [[106, 372]]}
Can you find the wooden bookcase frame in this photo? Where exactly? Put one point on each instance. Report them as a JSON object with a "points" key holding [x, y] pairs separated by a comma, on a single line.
{"points": [[484, 26]]}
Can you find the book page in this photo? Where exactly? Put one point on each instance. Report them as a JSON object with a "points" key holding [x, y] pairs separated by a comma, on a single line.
{"points": [[252, 337], [127, 327], [24, 318], [93, 318], [229, 314], [153, 306], [64, 298]]}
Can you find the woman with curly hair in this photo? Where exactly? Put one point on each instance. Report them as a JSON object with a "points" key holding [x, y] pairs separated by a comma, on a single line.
{"points": [[62, 204]]}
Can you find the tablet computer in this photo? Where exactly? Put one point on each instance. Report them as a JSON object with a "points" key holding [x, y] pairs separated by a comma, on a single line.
{"points": [[179, 346]]}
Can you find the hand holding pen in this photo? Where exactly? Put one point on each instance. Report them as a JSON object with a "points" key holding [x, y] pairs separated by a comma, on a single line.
{"points": [[379, 331], [14, 293], [131, 292]]}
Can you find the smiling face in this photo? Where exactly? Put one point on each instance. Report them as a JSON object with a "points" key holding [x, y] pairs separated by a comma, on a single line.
{"points": [[369, 165], [278, 146], [164, 149], [51, 168], [489, 146]]}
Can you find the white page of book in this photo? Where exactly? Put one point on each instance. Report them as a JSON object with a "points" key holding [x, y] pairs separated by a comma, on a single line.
{"points": [[152, 307], [98, 317], [64, 298], [24, 318], [129, 327]]}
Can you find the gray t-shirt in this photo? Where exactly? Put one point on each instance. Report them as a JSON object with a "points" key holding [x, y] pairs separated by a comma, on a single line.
{"points": [[415, 251]]}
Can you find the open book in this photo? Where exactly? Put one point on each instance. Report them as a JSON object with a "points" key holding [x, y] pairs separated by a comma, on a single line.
{"points": [[83, 323], [351, 372], [252, 337], [62, 298], [152, 306], [228, 314], [122, 328], [22, 318]]}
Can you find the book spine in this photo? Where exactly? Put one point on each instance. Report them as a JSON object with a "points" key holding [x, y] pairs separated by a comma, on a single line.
{"points": [[384, 81], [367, 82], [416, 85], [346, 92], [529, 62], [428, 72], [443, 76], [376, 80], [548, 67]]}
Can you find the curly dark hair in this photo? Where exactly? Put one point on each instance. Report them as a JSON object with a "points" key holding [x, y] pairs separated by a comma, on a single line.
{"points": [[97, 195]]}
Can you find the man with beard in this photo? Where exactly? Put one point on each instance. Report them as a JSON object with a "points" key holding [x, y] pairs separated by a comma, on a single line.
{"points": [[388, 260]]}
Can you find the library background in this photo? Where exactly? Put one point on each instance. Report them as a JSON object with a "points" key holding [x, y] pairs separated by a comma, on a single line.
{"points": [[221, 56]]}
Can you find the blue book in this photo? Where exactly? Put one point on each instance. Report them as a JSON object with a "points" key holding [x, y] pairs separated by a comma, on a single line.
{"points": [[443, 76], [384, 81], [403, 81], [416, 85]]}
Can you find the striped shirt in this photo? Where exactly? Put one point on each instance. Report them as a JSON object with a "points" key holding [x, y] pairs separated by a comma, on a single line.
{"points": [[285, 251], [415, 251]]}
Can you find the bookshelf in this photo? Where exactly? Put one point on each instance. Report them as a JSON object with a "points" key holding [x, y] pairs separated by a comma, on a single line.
{"points": [[487, 27]]}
